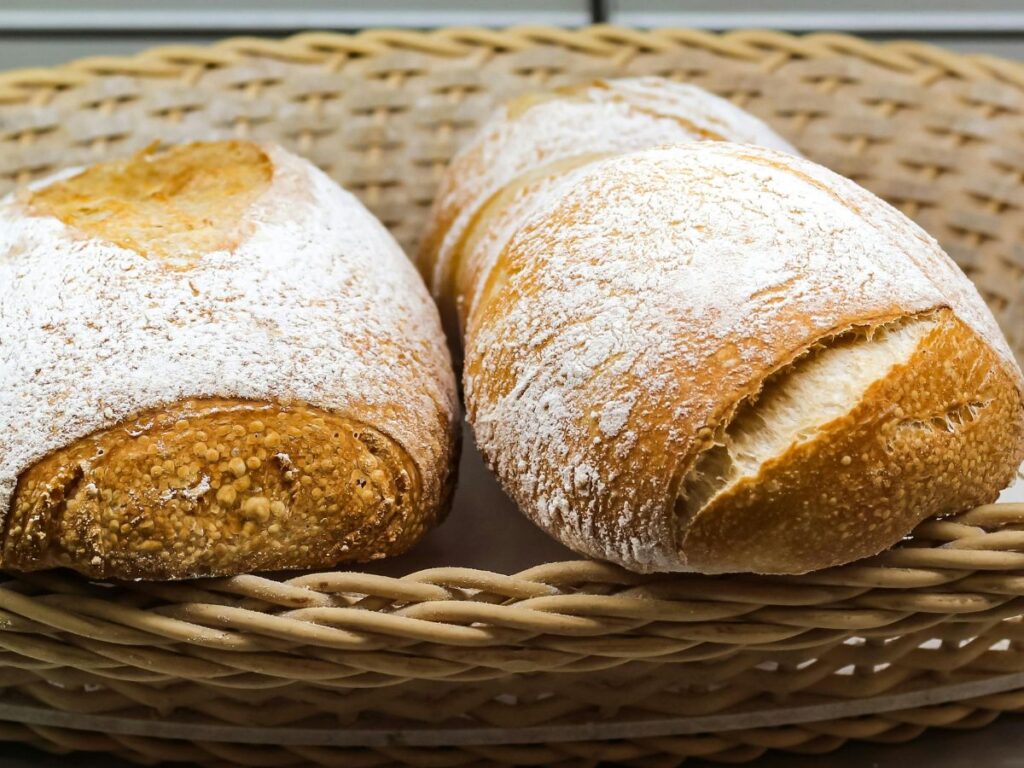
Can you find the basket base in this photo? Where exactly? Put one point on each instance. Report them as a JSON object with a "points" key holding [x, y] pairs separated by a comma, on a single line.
{"points": [[665, 752], [737, 737], [445, 737]]}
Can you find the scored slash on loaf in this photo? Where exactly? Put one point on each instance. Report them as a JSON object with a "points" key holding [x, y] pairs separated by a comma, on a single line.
{"points": [[201, 359], [709, 356]]}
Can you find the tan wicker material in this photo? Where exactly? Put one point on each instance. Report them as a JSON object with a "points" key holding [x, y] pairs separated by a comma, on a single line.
{"points": [[567, 663]]}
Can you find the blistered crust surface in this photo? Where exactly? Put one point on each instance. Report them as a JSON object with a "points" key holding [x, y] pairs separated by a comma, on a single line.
{"points": [[315, 304], [645, 295], [212, 487]]}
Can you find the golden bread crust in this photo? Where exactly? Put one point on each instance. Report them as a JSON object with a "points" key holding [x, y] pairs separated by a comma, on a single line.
{"points": [[185, 201], [216, 486], [938, 435]]}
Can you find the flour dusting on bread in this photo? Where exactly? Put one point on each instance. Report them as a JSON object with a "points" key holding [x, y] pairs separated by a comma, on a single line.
{"points": [[606, 116]]}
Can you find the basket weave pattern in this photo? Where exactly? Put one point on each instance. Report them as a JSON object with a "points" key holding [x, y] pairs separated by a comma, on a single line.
{"points": [[568, 663]]}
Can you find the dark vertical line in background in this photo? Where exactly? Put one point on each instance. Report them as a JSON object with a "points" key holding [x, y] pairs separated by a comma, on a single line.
{"points": [[598, 11]]}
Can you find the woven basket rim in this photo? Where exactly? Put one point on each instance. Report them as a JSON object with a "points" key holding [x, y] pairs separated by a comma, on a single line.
{"points": [[962, 568], [600, 39]]}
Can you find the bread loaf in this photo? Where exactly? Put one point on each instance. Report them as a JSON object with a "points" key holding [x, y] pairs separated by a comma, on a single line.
{"points": [[720, 357], [213, 361]]}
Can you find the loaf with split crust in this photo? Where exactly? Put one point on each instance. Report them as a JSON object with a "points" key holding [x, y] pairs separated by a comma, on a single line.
{"points": [[709, 355]]}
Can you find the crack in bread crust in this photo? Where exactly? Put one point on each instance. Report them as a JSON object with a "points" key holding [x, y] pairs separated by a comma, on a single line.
{"points": [[865, 479], [794, 403], [216, 486]]}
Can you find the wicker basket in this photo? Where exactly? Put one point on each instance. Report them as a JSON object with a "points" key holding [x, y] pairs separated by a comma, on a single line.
{"points": [[567, 662]]}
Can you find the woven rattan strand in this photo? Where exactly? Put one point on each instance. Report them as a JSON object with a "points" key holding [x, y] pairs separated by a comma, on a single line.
{"points": [[568, 663]]}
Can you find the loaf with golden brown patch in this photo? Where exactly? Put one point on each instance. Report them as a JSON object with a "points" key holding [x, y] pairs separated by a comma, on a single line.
{"points": [[213, 361], [719, 357]]}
